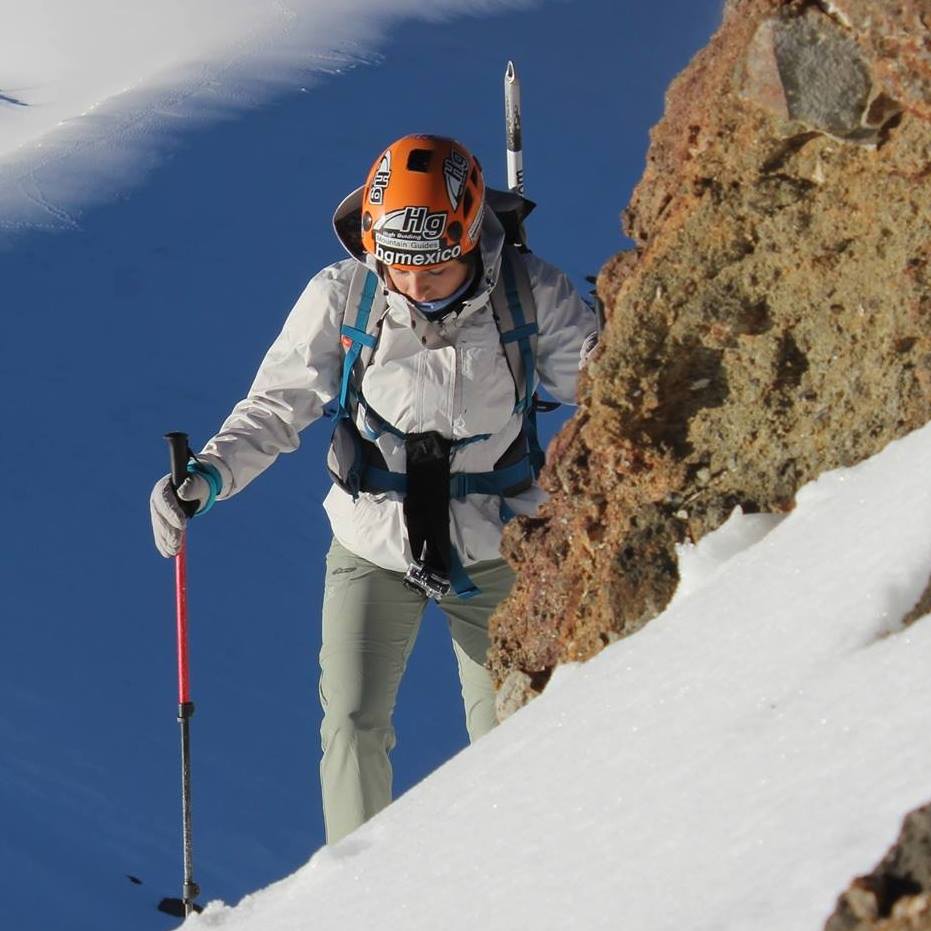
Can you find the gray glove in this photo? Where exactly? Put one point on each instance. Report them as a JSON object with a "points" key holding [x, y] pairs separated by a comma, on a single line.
{"points": [[169, 517]]}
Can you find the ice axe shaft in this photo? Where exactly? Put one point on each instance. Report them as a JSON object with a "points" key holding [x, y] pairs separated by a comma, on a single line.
{"points": [[513, 132], [180, 452]]}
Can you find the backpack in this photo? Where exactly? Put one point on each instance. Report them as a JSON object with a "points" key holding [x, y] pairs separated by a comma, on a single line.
{"points": [[354, 461]]}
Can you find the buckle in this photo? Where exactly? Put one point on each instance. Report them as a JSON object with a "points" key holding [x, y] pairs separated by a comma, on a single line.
{"points": [[458, 485], [426, 582]]}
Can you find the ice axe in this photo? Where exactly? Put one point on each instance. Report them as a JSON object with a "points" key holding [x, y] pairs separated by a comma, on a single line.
{"points": [[180, 452], [514, 135]]}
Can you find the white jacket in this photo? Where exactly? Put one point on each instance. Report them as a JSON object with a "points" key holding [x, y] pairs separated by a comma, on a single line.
{"points": [[451, 377]]}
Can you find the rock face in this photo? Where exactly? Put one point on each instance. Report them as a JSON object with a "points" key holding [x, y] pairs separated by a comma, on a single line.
{"points": [[773, 321], [896, 896]]}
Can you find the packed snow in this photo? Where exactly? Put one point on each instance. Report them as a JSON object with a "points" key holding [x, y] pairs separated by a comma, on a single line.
{"points": [[732, 765]]}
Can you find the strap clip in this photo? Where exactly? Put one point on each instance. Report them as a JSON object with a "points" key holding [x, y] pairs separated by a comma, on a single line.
{"points": [[426, 581]]}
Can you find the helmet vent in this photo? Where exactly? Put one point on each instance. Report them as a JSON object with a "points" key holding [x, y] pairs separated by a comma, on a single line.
{"points": [[467, 202], [419, 160], [474, 176]]}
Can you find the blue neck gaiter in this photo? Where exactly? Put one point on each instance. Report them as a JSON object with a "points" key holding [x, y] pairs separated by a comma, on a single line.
{"points": [[433, 310]]}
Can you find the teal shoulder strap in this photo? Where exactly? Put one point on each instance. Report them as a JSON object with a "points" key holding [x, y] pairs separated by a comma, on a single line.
{"points": [[516, 315], [362, 316], [515, 312]]}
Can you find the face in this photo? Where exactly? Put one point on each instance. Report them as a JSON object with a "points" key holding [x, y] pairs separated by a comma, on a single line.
{"points": [[429, 284]]}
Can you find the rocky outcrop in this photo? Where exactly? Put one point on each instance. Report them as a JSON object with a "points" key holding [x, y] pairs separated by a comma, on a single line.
{"points": [[896, 896], [921, 608], [773, 321]]}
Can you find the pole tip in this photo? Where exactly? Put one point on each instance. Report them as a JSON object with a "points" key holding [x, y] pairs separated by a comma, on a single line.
{"points": [[511, 72]]}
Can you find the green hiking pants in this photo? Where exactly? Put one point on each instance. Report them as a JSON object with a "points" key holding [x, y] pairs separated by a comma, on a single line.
{"points": [[370, 623]]}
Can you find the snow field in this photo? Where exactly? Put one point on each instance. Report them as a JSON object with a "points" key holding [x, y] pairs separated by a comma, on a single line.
{"points": [[91, 93], [732, 765]]}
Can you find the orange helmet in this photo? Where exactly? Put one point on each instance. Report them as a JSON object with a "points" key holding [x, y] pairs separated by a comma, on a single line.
{"points": [[422, 203]]}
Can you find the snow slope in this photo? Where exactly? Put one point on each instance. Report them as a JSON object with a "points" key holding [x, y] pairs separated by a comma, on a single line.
{"points": [[731, 766], [91, 91]]}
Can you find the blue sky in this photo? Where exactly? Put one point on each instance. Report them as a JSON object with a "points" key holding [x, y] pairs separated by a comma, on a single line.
{"points": [[154, 316]]}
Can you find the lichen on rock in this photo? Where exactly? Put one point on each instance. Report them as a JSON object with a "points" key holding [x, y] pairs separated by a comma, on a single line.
{"points": [[772, 322]]}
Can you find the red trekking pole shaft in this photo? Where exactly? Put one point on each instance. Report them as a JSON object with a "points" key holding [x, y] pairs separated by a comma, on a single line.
{"points": [[178, 443], [184, 676]]}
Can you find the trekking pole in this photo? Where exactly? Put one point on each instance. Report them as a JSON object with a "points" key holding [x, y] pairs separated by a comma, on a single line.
{"points": [[515, 140], [178, 445]]}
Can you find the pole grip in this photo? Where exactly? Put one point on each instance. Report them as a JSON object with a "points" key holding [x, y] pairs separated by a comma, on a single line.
{"points": [[179, 452]]}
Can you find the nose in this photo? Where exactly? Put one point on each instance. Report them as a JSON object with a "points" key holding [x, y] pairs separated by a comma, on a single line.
{"points": [[419, 287]]}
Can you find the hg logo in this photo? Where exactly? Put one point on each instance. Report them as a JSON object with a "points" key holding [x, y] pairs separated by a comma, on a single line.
{"points": [[414, 223], [381, 180], [419, 221]]}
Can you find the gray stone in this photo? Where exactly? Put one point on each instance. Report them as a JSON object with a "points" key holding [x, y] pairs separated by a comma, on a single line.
{"points": [[826, 82]]}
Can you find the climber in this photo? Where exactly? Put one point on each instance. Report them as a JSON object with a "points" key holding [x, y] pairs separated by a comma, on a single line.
{"points": [[429, 341]]}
